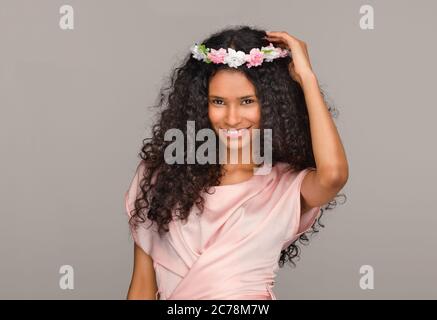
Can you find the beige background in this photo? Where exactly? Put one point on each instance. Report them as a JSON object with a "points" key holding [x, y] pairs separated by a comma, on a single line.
{"points": [[74, 112]]}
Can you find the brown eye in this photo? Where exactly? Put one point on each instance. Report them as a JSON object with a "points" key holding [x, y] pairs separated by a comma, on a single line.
{"points": [[216, 100], [248, 100]]}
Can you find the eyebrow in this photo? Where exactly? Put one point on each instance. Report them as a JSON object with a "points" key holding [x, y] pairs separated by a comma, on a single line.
{"points": [[248, 96]]}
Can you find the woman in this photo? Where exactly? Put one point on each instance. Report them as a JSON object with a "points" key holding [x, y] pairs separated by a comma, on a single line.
{"points": [[219, 230]]}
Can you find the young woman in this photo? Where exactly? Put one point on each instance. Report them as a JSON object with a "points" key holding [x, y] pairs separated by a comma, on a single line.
{"points": [[220, 230]]}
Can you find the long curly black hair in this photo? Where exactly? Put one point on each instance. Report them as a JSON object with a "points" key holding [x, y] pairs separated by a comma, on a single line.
{"points": [[179, 186]]}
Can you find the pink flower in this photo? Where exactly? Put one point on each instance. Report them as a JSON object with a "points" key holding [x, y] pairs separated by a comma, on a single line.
{"points": [[283, 52], [254, 58], [217, 56]]}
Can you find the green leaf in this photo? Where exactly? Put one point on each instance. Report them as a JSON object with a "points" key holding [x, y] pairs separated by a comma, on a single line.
{"points": [[267, 50], [202, 48]]}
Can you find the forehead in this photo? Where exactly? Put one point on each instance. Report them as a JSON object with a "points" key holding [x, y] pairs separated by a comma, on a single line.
{"points": [[230, 84]]}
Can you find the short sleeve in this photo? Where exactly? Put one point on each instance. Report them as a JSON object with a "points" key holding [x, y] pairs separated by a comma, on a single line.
{"points": [[299, 224], [143, 235]]}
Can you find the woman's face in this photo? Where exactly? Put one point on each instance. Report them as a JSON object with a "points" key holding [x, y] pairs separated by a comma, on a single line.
{"points": [[233, 106]]}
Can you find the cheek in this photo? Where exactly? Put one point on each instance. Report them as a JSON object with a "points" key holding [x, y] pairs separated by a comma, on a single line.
{"points": [[214, 115], [210, 114], [255, 116]]}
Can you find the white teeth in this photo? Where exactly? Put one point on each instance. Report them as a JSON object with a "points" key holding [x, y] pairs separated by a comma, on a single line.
{"points": [[235, 132]]}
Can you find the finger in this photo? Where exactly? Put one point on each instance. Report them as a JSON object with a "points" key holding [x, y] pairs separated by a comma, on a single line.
{"points": [[282, 35], [280, 40], [275, 39], [274, 32], [278, 43], [274, 36]]}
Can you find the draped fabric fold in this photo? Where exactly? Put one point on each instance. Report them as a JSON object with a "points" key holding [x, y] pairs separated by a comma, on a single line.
{"points": [[231, 250]]}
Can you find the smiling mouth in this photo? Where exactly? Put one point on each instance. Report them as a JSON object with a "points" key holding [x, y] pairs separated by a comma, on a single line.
{"points": [[234, 133]]}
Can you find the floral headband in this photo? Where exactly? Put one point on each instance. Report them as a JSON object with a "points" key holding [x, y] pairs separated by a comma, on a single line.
{"points": [[237, 58]]}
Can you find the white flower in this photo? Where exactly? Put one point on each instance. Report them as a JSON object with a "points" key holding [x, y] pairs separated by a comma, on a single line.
{"points": [[270, 53], [235, 59], [197, 54]]}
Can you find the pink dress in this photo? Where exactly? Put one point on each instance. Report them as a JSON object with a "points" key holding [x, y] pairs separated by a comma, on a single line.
{"points": [[231, 251]]}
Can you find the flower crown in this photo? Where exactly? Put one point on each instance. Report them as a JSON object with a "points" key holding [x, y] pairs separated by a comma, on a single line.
{"points": [[237, 58]]}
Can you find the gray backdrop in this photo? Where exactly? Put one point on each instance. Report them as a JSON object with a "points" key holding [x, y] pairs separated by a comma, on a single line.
{"points": [[74, 110]]}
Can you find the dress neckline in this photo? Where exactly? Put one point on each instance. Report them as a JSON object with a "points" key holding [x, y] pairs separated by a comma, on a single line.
{"points": [[253, 178]]}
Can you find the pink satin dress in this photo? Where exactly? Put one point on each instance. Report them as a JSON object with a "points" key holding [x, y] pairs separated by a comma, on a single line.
{"points": [[231, 250]]}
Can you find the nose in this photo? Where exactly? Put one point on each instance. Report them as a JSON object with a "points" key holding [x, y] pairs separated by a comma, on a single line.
{"points": [[233, 117]]}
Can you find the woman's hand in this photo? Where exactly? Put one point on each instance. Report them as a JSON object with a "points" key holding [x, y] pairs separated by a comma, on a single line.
{"points": [[300, 66]]}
